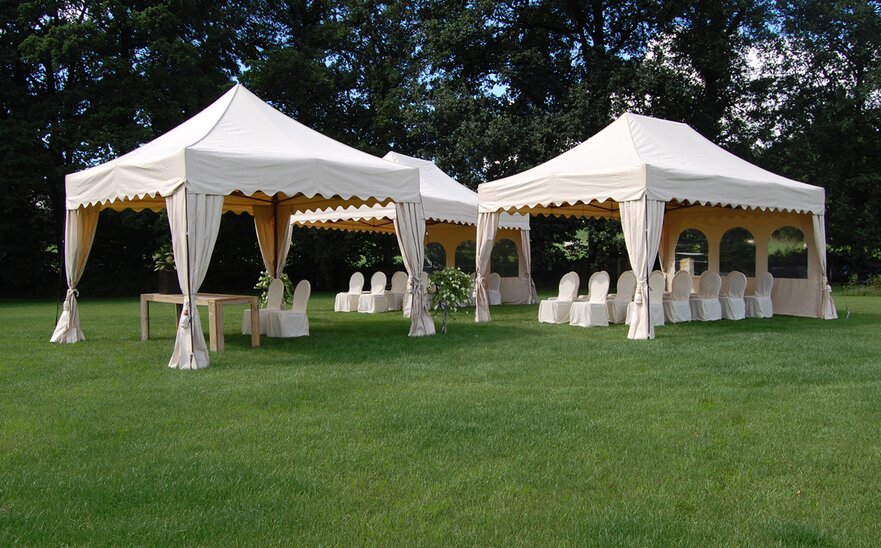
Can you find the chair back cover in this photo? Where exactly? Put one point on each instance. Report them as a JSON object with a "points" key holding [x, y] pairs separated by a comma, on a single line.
{"points": [[764, 285], [736, 285], [377, 283], [275, 294], [495, 281], [626, 286], [356, 283], [598, 286], [568, 287], [657, 282], [301, 296], [399, 282], [681, 285], [710, 282]]}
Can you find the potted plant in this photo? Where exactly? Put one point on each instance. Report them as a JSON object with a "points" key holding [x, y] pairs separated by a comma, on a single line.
{"points": [[263, 286], [163, 264], [451, 289]]}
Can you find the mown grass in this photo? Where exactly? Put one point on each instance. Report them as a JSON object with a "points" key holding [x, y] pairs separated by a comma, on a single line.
{"points": [[758, 432]]}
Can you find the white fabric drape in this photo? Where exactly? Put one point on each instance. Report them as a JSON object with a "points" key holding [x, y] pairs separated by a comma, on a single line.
{"points": [[526, 245], [641, 222], [487, 226], [274, 233], [827, 306], [410, 231], [79, 233], [195, 221]]}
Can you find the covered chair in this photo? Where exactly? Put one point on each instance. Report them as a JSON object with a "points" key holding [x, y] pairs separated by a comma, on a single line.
{"points": [[495, 289], [733, 307], [592, 311], [759, 304], [395, 294], [556, 309], [293, 322], [676, 306], [617, 302], [705, 304], [348, 301], [375, 301], [657, 281], [274, 300]]}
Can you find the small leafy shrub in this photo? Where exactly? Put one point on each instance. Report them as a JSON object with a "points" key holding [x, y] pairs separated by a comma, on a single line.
{"points": [[163, 259], [263, 287], [868, 287], [451, 288]]}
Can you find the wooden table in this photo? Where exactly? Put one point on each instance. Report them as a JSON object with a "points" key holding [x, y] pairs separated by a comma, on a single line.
{"points": [[215, 303]]}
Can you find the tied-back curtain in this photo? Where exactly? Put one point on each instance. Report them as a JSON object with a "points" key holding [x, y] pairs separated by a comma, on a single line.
{"points": [[79, 233], [641, 222], [526, 245], [274, 231], [410, 231], [195, 221], [827, 306], [487, 226]]}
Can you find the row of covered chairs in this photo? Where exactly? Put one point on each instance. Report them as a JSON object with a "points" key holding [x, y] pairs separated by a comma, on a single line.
{"points": [[681, 304], [277, 322], [378, 299]]}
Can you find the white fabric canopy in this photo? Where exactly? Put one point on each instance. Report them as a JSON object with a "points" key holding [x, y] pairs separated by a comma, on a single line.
{"points": [[827, 307], [240, 155], [410, 230], [487, 225], [79, 234], [639, 167]]}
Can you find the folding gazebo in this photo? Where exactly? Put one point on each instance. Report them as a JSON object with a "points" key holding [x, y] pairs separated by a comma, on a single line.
{"points": [[240, 155], [450, 215], [658, 177]]}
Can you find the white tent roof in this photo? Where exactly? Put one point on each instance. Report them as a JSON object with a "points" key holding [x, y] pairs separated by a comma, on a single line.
{"points": [[663, 160], [240, 145], [444, 200]]}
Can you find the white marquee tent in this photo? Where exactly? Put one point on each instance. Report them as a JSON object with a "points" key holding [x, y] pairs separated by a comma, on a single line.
{"points": [[658, 177], [451, 215], [240, 155]]}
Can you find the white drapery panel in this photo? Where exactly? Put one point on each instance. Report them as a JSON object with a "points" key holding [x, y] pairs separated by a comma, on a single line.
{"points": [[274, 233], [487, 226], [194, 220], [526, 245], [827, 306], [641, 222], [79, 233], [410, 231]]}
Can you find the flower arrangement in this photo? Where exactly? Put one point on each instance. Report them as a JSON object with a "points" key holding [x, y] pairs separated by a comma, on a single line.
{"points": [[451, 288], [263, 286], [163, 259]]}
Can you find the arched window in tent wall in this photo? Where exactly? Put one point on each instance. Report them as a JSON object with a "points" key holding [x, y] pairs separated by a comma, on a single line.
{"points": [[435, 257], [465, 253], [788, 253], [504, 260], [692, 252], [737, 251]]}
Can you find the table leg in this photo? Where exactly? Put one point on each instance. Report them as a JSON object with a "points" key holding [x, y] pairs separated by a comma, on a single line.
{"points": [[212, 326], [145, 319], [218, 326], [255, 326]]}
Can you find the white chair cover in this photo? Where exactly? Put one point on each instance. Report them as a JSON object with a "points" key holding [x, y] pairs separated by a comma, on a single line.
{"points": [[274, 300], [495, 289], [79, 234], [759, 305], [592, 312], [395, 295], [195, 223], [617, 302], [375, 301], [556, 309], [657, 282], [705, 304], [293, 322], [676, 307], [733, 307], [348, 301]]}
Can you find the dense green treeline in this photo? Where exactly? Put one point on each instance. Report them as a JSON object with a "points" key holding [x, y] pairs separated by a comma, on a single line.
{"points": [[486, 89]]}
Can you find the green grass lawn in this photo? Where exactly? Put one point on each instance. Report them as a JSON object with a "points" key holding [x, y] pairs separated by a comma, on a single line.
{"points": [[751, 433]]}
